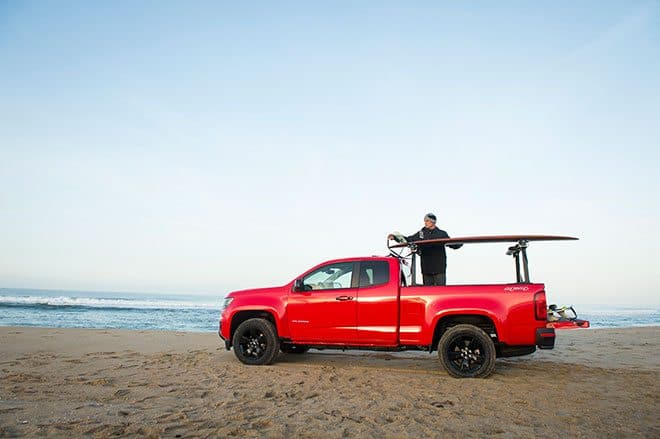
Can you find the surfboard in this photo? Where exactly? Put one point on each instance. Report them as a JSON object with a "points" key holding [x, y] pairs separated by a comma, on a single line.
{"points": [[485, 239]]}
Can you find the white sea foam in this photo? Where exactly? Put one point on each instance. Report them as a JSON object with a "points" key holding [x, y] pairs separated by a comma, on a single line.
{"points": [[103, 303], [618, 312]]}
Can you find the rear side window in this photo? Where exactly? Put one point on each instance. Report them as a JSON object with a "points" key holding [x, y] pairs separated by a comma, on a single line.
{"points": [[374, 273]]}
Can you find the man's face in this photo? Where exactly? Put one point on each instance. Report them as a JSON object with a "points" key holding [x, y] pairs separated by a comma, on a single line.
{"points": [[429, 224]]}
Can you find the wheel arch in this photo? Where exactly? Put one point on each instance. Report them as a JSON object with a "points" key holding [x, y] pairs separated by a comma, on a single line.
{"points": [[444, 322], [241, 316]]}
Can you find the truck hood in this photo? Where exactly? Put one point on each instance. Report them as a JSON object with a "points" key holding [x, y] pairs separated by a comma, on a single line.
{"points": [[256, 291]]}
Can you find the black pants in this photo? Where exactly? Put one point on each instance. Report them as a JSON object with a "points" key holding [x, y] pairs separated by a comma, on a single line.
{"points": [[438, 279]]}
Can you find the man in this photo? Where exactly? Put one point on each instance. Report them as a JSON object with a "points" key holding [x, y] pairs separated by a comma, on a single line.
{"points": [[434, 257]]}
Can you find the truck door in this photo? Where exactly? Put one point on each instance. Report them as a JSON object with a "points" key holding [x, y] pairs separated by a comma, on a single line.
{"points": [[326, 311], [378, 303]]}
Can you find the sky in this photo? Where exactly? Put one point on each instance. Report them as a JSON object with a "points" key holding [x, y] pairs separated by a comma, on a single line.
{"points": [[201, 147]]}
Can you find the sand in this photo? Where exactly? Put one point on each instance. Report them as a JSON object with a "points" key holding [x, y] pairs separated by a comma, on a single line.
{"points": [[100, 383]]}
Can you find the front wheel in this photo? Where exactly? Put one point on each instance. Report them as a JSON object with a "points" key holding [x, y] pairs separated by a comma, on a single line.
{"points": [[467, 352], [255, 342]]}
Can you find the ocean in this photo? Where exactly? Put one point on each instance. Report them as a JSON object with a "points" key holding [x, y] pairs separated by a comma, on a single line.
{"points": [[76, 309]]}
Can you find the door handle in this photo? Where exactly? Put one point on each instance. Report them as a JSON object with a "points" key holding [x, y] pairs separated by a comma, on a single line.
{"points": [[342, 298]]}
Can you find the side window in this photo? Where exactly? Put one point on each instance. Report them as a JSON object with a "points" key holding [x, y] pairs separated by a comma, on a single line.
{"points": [[374, 273], [328, 277]]}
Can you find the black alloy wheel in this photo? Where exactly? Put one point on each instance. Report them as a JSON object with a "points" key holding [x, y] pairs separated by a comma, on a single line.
{"points": [[255, 342], [467, 352]]}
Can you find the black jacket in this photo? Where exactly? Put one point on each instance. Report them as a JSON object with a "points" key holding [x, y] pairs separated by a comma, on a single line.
{"points": [[434, 257]]}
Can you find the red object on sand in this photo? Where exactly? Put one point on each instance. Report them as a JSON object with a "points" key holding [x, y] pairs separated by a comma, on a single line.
{"points": [[569, 324], [367, 303]]}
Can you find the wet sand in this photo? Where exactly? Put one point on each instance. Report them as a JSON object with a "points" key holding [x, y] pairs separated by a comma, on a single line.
{"points": [[99, 383]]}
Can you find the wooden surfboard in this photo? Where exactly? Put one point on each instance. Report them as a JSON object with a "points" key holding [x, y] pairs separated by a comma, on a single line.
{"points": [[483, 239]]}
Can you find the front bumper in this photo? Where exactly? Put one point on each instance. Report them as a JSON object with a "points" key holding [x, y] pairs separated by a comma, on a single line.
{"points": [[545, 338], [227, 341], [220, 330]]}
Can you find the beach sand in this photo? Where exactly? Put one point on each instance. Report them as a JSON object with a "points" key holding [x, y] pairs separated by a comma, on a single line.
{"points": [[100, 383]]}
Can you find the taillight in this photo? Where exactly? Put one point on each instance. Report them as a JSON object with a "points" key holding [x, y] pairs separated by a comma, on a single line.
{"points": [[540, 306]]}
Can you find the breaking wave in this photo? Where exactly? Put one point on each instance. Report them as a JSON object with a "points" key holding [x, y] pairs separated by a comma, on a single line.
{"points": [[112, 303]]}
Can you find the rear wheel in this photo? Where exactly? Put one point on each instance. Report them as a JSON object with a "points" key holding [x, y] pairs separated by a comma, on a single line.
{"points": [[255, 342], [467, 352]]}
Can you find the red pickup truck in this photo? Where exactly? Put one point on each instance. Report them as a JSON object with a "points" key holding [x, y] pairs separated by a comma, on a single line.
{"points": [[365, 303]]}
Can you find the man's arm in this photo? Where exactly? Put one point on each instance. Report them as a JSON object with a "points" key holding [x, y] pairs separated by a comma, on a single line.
{"points": [[454, 246], [413, 237]]}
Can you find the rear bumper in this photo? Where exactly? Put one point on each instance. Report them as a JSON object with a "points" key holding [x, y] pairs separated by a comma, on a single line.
{"points": [[545, 338]]}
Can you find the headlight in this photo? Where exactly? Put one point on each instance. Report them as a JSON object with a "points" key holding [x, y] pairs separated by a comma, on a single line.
{"points": [[225, 303]]}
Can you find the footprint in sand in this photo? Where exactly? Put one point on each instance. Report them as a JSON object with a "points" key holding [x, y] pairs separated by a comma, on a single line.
{"points": [[102, 382], [122, 392], [144, 399], [442, 404], [24, 378]]}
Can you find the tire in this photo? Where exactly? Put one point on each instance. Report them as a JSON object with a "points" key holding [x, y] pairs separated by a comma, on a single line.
{"points": [[466, 351], [294, 348], [255, 342]]}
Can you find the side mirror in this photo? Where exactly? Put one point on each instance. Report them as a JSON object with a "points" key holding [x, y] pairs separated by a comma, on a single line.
{"points": [[298, 286]]}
